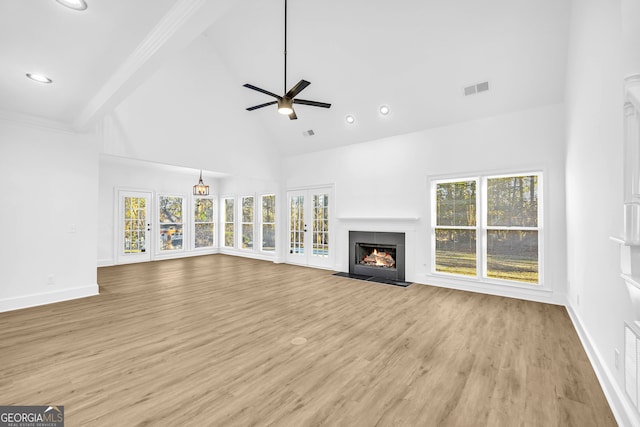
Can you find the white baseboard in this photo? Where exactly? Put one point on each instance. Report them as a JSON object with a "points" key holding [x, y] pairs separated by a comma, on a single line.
{"points": [[625, 413], [537, 295], [33, 300], [249, 254]]}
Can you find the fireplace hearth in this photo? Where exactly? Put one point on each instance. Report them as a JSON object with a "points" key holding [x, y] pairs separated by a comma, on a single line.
{"points": [[377, 256]]}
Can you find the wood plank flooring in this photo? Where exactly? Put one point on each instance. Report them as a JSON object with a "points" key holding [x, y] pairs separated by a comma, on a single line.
{"points": [[207, 341]]}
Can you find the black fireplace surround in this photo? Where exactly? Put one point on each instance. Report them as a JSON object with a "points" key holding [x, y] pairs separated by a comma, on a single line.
{"points": [[362, 242]]}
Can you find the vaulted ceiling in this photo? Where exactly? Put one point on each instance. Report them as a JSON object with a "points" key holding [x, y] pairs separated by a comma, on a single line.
{"points": [[414, 56]]}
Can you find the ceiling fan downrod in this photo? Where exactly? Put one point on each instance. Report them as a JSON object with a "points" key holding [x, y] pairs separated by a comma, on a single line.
{"points": [[285, 102]]}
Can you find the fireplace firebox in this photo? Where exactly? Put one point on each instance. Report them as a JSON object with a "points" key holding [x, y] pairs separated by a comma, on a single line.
{"points": [[377, 254]]}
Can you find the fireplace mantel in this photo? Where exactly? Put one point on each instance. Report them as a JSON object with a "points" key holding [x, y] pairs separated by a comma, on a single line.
{"points": [[379, 223], [379, 218]]}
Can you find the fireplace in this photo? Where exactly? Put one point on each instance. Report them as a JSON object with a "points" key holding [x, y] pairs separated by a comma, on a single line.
{"points": [[379, 255]]}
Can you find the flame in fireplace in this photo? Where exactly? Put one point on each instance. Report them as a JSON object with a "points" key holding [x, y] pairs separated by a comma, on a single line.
{"points": [[379, 259]]}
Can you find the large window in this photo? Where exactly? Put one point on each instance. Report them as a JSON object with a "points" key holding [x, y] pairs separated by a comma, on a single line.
{"points": [[170, 209], [268, 223], [229, 222], [203, 222], [503, 243], [247, 218]]}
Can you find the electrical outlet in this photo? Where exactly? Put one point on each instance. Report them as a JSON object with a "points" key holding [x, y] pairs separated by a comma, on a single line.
{"points": [[578, 299], [51, 279], [616, 355]]}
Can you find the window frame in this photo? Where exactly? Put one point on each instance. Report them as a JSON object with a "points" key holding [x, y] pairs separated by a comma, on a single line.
{"points": [[482, 228]]}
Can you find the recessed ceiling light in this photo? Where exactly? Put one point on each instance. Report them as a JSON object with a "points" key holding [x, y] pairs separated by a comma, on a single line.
{"points": [[74, 4], [384, 110], [39, 78], [350, 119]]}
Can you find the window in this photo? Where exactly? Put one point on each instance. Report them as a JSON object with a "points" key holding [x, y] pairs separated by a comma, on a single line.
{"points": [[170, 216], [512, 228], [246, 218], [456, 230], [503, 243], [229, 222], [203, 223], [268, 223]]}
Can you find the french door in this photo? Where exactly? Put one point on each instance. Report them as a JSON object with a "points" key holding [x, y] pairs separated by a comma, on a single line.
{"points": [[309, 228], [134, 226]]}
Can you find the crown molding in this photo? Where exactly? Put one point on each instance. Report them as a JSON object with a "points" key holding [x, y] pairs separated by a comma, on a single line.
{"points": [[35, 122]]}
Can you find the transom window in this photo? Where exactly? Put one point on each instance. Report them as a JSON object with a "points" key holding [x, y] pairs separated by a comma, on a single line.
{"points": [[488, 227]]}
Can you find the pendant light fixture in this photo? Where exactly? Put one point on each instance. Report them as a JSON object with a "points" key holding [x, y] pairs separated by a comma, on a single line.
{"points": [[200, 189]]}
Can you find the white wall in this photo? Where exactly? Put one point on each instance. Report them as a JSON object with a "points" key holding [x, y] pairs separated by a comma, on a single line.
{"points": [[49, 215], [388, 179], [600, 55]]}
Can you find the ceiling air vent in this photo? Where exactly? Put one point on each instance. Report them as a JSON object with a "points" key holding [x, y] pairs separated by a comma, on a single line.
{"points": [[309, 132], [477, 88]]}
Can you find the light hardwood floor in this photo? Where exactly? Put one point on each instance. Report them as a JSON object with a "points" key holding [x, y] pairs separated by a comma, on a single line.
{"points": [[206, 341]]}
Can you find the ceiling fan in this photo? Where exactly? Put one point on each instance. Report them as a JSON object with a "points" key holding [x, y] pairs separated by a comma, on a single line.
{"points": [[285, 102]]}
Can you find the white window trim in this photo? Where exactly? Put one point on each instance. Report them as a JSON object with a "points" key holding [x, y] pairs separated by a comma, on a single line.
{"points": [[481, 228]]}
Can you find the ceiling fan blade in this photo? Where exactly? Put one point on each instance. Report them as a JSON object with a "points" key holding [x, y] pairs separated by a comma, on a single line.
{"points": [[293, 116], [255, 107], [312, 103], [299, 87], [247, 85]]}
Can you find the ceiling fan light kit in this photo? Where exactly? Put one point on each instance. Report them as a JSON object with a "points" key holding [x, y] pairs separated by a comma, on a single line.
{"points": [[285, 106], [73, 4], [40, 78], [285, 103]]}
